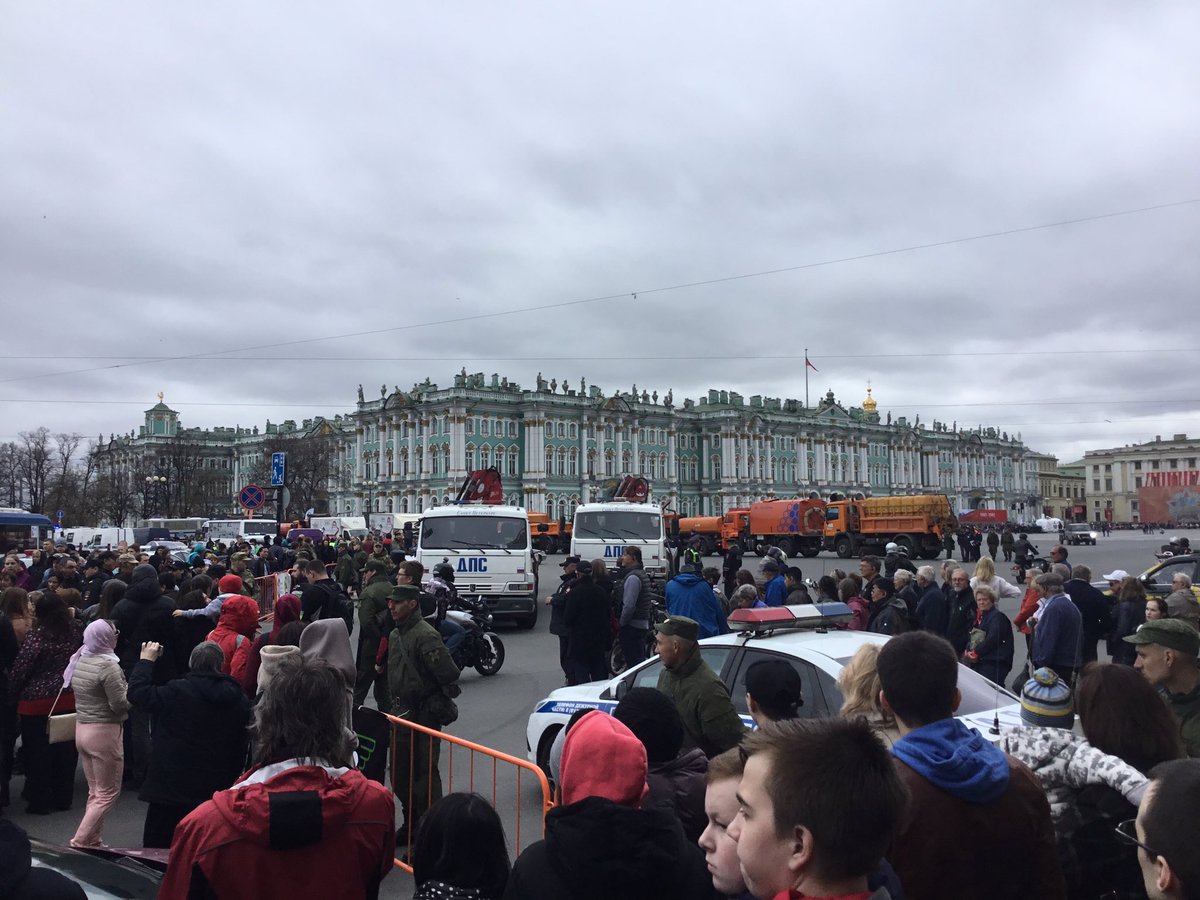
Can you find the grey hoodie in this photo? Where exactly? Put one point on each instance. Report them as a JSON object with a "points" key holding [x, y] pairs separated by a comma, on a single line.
{"points": [[328, 640]]}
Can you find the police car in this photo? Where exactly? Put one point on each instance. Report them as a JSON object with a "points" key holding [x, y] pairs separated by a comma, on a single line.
{"points": [[806, 636]]}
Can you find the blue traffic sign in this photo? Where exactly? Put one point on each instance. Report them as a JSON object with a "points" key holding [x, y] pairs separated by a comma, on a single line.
{"points": [[278, 469], [252, 496]]}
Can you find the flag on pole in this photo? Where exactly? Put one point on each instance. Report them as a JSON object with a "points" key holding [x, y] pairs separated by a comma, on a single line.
{"points": [[808, 363]]}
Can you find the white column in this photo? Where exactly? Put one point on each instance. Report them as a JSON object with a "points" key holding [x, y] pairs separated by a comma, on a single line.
{"points": [[728, 457], [672, 474], [635, 445]]}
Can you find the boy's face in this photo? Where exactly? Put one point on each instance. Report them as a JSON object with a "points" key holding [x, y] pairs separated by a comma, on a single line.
{"points": [[765, 858], [721, 850]]}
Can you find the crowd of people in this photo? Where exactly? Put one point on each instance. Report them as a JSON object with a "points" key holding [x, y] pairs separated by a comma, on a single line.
{"points": [[238, 731]]}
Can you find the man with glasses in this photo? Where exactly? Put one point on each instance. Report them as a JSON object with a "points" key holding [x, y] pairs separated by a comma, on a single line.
{"points": [[1165, 831]]}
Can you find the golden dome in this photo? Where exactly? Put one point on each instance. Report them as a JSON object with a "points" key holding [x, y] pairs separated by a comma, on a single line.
{"points": [[869, 404]]}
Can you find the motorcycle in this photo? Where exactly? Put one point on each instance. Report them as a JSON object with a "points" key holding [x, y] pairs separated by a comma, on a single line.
{"points": [[616, 658], [481, 648], [1024, 563]]}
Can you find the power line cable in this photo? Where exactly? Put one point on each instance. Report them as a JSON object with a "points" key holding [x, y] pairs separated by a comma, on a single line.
{"points": [[562, 304]]}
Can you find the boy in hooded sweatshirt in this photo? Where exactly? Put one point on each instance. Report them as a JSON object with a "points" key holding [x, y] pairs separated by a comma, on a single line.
{"points": [[978, 824], [600, 843], [235, 634]]}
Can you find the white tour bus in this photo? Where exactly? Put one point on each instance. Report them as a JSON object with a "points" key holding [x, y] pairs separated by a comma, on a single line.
{"points": [[252, 530]]}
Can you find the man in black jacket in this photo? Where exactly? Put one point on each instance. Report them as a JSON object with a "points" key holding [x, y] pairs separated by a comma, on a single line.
{"points": [[588, 635], [143, 614], [962, 611], [1093, 607], [558, 608], [199, 736]]}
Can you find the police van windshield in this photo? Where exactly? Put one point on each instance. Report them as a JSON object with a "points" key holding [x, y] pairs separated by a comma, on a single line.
{"points": [[260, 526], [474, 532], [619, 525]]}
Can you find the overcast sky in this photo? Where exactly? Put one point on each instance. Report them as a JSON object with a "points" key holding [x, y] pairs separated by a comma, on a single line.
{"points": [[182, 179]]}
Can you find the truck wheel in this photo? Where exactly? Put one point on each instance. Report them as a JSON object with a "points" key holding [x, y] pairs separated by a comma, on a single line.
{"points": [[809, 552], [760, 549], [787, 548], [905, 543], [843, 548]]}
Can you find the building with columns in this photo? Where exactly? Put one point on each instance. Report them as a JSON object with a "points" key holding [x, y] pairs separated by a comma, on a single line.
{"points": [[554, 444]]}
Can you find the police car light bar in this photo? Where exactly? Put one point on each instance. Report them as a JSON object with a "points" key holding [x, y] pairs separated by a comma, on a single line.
{"points": [[801, 616]]}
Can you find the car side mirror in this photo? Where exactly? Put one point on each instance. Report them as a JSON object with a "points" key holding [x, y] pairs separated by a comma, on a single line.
{"points": [[622, 689]]}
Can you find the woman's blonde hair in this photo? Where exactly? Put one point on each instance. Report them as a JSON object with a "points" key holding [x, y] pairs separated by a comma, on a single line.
{"points": [[859, 684], [985, 569]]}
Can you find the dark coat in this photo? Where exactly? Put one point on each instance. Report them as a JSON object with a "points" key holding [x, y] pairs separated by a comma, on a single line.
{"points": [[143, 614], [933, 610], [1094, 608], [995, 652], [558, 605], [596, 849], [199, 725], [586, 621], [962, 619], [678, 785]]}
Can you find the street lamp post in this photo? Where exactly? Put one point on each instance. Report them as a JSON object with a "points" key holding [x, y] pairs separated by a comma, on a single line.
{"points": [[154, 483], [369, 487]]}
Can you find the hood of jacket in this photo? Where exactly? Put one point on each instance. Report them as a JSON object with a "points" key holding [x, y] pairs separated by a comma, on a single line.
{"points": [[143, 585], [955, 758], [603, 758], [15, 856], [238, 613], [689, 762], [293, 807], [689, 580], [216, 688], [328, 640], [633, 853]]}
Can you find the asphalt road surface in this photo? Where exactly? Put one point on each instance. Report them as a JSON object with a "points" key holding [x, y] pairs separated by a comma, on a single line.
{"points": [[493, 711]]}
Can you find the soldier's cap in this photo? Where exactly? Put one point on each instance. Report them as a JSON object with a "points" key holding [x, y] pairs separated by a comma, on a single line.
{"points": [[402, 593], [569, 561], [1175, 634], [238, 557], [679, 626], [378, 566]]}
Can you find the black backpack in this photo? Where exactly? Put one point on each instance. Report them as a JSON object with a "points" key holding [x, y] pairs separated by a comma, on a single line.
{"points": [[338, 604]]}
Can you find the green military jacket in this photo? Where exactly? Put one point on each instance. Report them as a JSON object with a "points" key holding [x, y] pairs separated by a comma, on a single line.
{"points": [[345, 572], [709, 720], [1187, 710], [421, 674], [371, 602]]}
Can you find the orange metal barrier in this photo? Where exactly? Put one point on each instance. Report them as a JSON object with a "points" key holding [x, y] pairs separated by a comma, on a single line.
{"points": [[463, 773], [269, 588]]}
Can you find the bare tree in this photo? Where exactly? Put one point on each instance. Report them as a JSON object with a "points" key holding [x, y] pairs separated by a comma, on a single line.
{"points": [[310, 465], [35, 461], [10, 476]]}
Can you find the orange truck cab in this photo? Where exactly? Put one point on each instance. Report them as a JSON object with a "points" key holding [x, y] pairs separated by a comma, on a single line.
{"points": [[794, 526], [549, 535]]}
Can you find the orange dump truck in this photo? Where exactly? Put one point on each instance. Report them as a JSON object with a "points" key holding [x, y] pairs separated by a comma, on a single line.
{"points": [[864, 525], [550, 535]]}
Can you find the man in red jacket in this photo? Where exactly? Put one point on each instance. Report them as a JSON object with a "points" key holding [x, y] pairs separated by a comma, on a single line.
{"points": [[302, 822]]}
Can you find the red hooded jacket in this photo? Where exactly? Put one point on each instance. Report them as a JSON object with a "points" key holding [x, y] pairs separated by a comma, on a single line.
{"points": [[286, 830], [234, 633]]}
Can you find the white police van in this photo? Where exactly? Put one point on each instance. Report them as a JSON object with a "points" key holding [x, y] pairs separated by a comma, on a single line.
{"points": [[489, 549], [604, 530], [806, 636]]}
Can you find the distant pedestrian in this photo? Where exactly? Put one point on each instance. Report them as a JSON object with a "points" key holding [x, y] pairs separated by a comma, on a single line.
{"points": [[993, 542], [586, 618]]}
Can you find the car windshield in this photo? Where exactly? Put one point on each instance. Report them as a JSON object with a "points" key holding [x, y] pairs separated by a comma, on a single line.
{"points": [[263, 527], [618, 524], [978, 694], [474, 532], [1079, 528]]}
